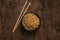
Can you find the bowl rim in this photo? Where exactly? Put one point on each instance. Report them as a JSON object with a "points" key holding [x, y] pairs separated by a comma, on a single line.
{"points": [[37, 16]]}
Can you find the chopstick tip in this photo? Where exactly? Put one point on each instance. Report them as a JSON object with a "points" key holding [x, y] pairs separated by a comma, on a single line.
{"points": [[12, 31]]}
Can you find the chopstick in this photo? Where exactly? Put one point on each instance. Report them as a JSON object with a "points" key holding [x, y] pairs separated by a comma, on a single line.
{"points": [[21, 15]]}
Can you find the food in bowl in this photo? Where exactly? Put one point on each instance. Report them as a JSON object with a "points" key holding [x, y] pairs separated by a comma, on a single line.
{"points": [[30, 21]]}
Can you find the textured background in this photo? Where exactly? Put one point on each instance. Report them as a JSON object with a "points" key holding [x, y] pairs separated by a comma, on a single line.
{"points": [[48, 11]]}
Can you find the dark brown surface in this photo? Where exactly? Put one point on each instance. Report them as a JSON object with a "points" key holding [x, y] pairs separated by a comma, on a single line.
{"points": [[48, 11]]}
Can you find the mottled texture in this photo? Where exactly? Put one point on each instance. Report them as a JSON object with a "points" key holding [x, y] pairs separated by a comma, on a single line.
{"points": [[30, 21], [48, 11]]}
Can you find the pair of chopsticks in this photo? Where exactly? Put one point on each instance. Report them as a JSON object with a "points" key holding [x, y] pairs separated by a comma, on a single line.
{"points": [[21, 14]]}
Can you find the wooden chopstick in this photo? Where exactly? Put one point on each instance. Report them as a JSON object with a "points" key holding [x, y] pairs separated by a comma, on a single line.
{"points": [[21, 15], [15, 26]]}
